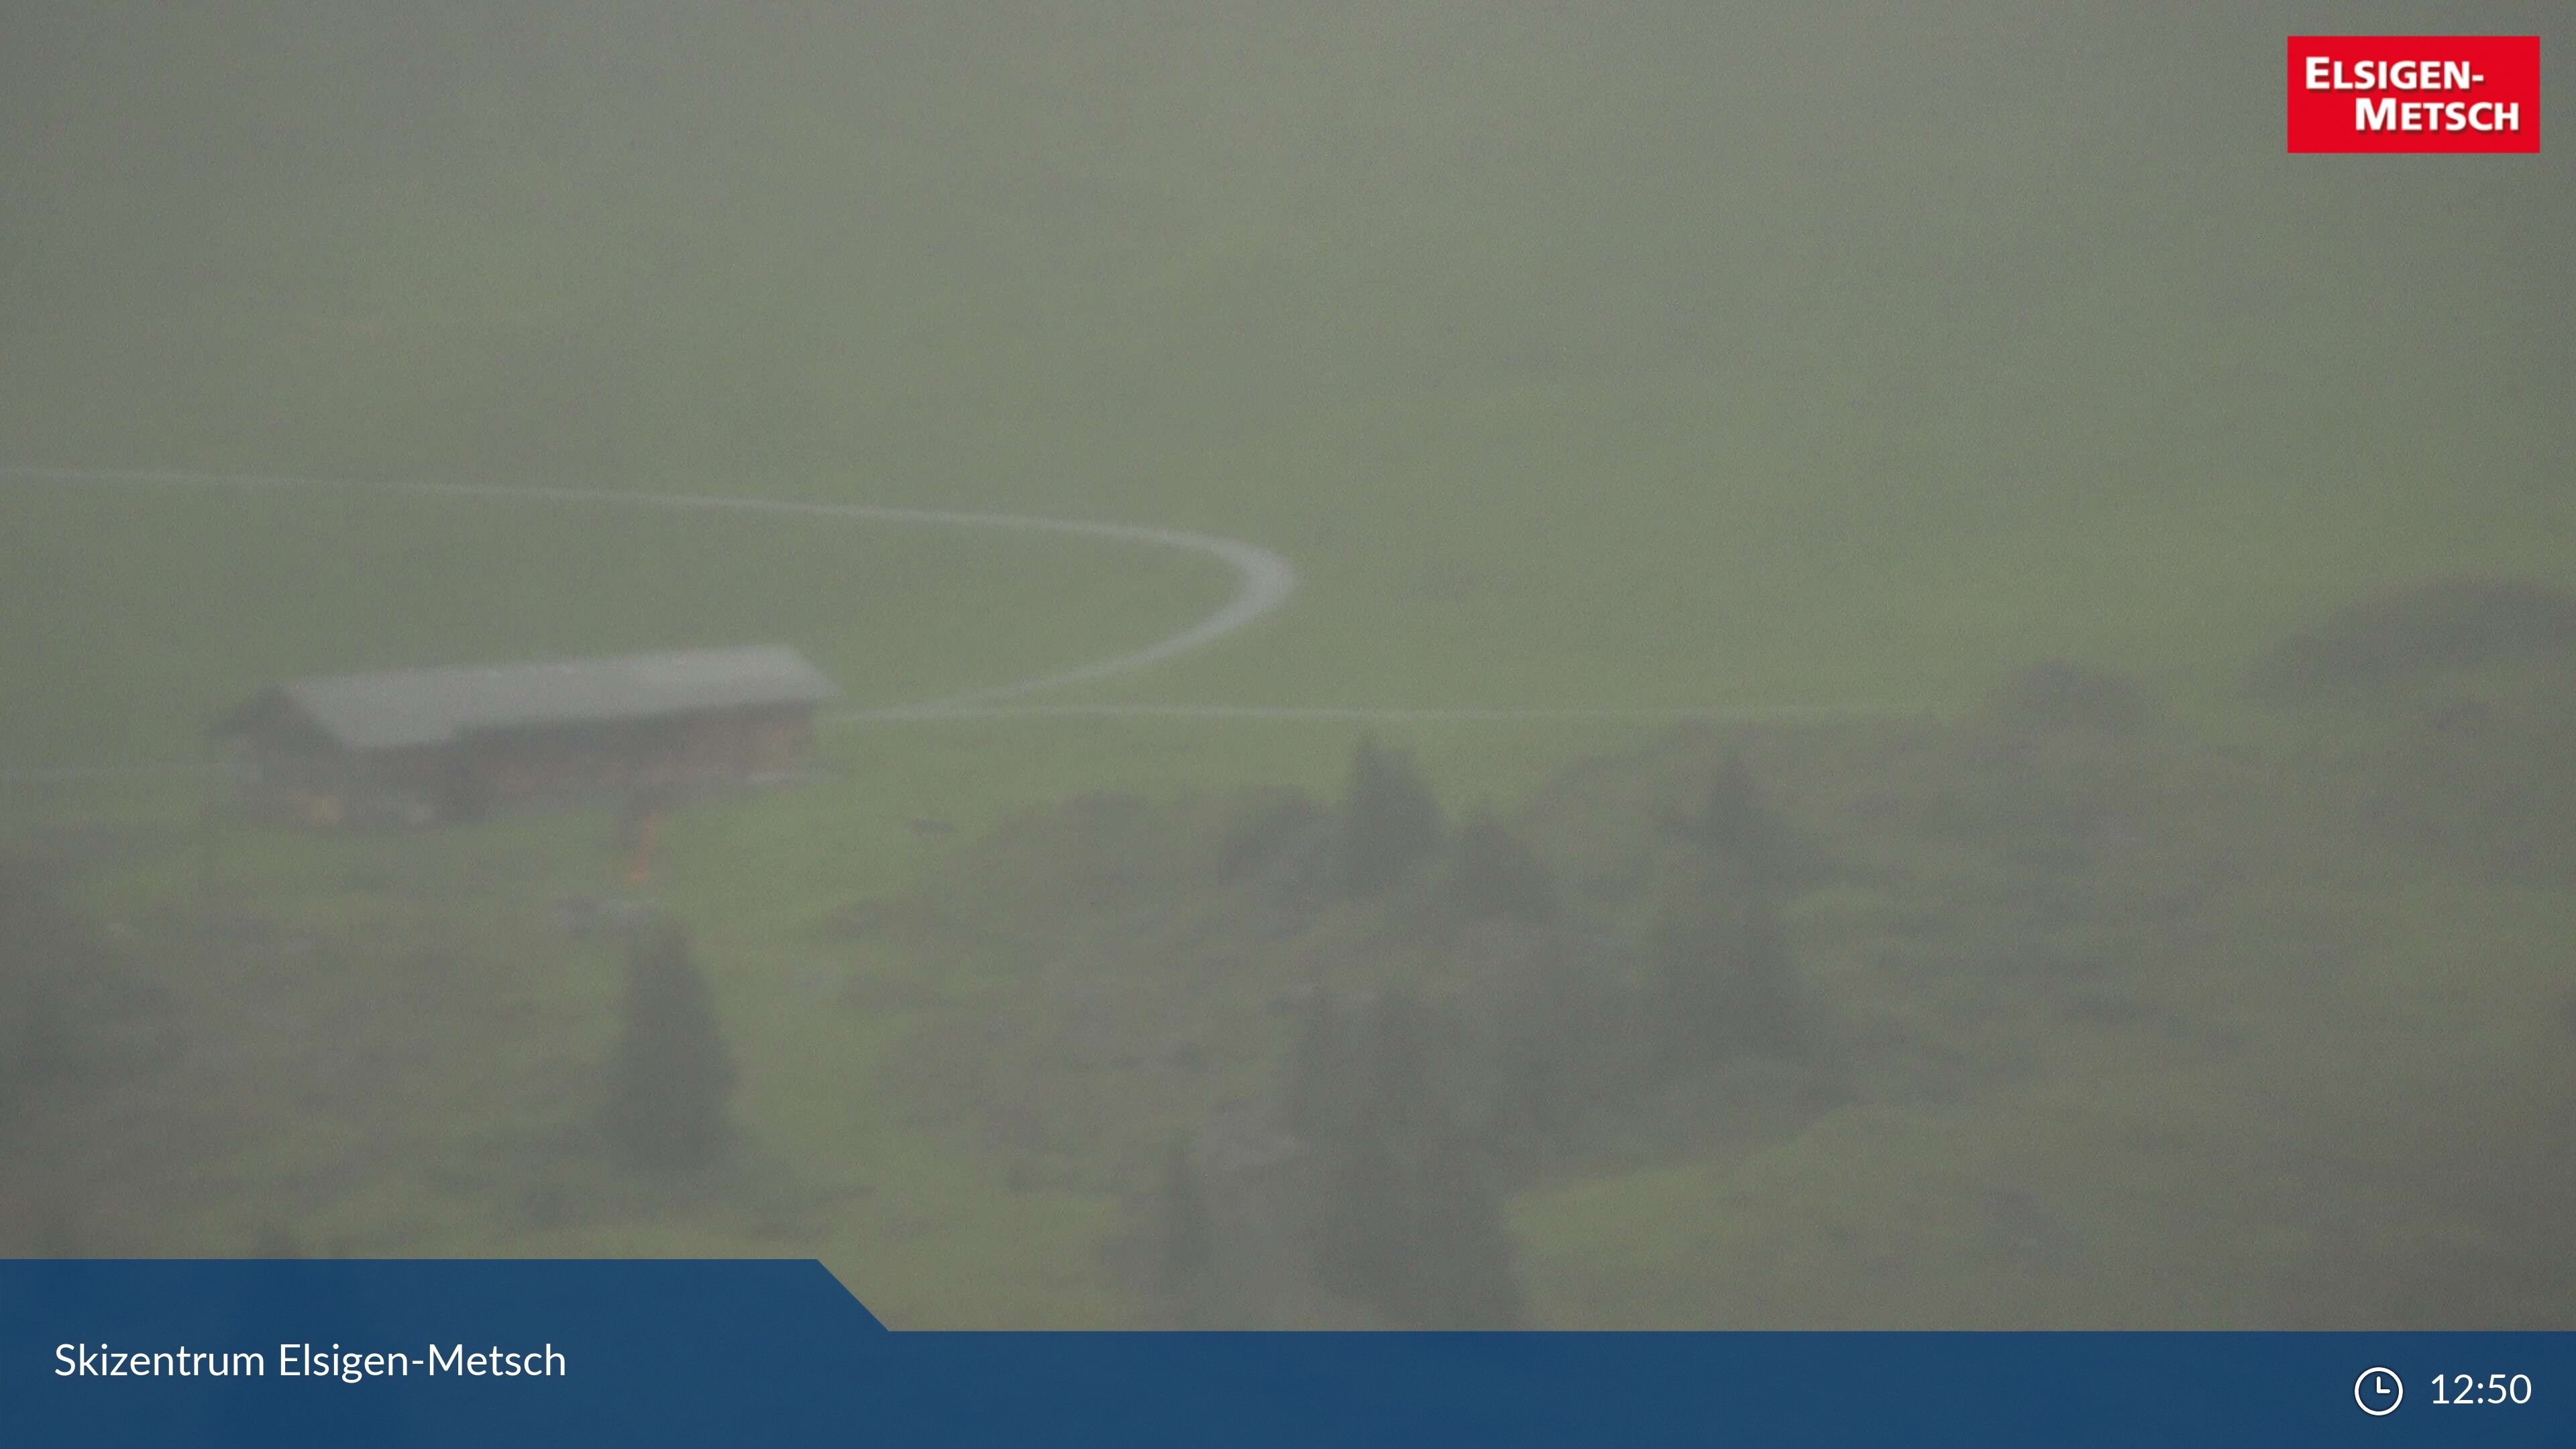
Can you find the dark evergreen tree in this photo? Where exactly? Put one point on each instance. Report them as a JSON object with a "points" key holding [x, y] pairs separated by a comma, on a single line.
{"points": [[1736, 824], [1390, 820], [1411, 1224], [671, 1080], [1413, 1228], [1498, 876]]}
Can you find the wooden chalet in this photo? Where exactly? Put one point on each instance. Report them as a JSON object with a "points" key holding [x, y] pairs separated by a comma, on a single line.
{"points": [[424, 746]]}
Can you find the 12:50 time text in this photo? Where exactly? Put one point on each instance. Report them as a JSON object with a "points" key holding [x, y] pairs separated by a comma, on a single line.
{"points": [[2493, 1389]]}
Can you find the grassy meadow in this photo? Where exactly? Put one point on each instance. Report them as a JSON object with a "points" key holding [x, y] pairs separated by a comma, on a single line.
{"points": [[1621, 357]]}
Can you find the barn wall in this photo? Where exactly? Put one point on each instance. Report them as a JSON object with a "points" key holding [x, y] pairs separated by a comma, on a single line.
{"points": [[524, 768], [294, 780], [293, 786]]}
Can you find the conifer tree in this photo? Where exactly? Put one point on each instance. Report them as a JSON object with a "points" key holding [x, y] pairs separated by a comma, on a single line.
{"points": [[671, 1080], [1390, 820], [1737, 824], [1411, 1225]]}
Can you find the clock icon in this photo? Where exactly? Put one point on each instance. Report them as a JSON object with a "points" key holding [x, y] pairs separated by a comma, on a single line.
{"points": [[2378, 1392]]}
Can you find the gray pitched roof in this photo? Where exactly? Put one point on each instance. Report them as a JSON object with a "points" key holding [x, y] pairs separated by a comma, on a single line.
{"points": [[433, 706]]}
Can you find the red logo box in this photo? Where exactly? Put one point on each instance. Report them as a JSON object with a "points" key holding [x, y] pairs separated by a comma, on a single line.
{"points": [[2414, 93]]}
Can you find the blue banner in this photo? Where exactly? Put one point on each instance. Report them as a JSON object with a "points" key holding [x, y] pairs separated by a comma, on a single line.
{"points": [[644, 1353]]}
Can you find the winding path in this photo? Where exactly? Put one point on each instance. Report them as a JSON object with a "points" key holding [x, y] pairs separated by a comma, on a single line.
{"points": [[1264, 581]]}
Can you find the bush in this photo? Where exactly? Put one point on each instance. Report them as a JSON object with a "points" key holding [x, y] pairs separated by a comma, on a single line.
{"points": [[2057, 695], [1266, 830], [2377, 647]]}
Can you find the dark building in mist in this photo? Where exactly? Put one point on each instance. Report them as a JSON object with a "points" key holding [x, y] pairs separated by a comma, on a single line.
{"points": [[421, 746]]}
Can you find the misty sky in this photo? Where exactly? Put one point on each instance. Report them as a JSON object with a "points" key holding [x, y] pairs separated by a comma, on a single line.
{"points": [[1916, 242]]}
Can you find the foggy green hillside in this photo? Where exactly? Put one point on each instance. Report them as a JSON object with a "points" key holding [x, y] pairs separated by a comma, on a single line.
{"points": [[1620, 357]]}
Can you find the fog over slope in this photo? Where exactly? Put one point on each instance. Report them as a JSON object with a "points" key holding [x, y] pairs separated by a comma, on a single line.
{"points": [[1928, 685], [1924, 246]]}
